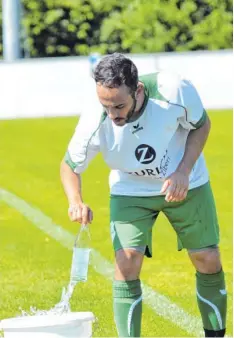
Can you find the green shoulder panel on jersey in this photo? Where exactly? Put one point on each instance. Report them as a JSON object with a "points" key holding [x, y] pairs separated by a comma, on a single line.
{"points": [[202, 120], [151, 86]]}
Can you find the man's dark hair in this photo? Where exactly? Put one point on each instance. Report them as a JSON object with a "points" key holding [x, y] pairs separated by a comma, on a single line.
{"points": [[115, 70]]}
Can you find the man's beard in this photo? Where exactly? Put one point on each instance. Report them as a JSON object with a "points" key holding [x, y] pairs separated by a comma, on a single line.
{"points": [[131, 111], [122, 121]]}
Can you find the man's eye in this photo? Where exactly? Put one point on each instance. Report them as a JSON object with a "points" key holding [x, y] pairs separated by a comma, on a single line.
{"points": [[119, 107]]}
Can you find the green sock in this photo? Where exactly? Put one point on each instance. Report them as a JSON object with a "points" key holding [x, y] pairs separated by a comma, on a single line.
{"points": [[212, 300], [128, 307]]}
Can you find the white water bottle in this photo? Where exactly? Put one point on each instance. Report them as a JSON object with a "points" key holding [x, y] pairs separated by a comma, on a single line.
{"points": [[81, 253]]}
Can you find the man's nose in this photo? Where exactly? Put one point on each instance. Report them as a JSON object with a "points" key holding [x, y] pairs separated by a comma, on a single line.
{"points": [[112, 113]]}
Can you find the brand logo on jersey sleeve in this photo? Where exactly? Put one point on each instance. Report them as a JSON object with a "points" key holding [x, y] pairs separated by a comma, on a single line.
{"points": [[145, 154]]}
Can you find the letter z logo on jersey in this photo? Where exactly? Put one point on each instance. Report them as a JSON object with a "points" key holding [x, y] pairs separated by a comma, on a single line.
{"points": [[145, 154]]}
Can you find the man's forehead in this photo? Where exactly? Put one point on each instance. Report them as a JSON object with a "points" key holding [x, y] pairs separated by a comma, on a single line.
{"points": [[119, 93]]}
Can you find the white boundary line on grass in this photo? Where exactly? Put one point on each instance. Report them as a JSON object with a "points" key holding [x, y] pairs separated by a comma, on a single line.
{"points": [[160, 304]]}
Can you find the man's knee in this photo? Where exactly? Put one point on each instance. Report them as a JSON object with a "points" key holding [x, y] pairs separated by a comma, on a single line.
{"points": [[206, 261], [128, 264]]}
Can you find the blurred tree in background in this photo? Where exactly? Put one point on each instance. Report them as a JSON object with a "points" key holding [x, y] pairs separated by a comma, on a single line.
{"points": [[79, 27], [66, 27], [175, 25]]}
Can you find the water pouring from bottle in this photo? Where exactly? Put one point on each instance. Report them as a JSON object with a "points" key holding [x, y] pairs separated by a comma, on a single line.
{"points": [[78, 273]]}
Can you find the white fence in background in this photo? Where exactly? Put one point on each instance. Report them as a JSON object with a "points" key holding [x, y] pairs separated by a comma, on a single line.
{"points": [[63, 86]]}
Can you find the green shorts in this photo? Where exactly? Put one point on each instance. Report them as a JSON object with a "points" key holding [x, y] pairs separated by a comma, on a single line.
{"points": [[194, 220]]}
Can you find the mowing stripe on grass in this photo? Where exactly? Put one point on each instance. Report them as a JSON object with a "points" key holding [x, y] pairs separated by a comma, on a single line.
{"points": [[160, 304]]}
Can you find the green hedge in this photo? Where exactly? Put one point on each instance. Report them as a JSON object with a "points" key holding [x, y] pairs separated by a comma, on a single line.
{"points": [[79, 27]]}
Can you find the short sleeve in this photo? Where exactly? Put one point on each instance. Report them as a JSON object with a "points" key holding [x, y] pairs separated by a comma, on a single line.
{"points": [[194, 115], [180, 92], [84, 144]]}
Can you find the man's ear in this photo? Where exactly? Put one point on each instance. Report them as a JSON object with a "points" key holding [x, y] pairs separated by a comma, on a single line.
{"points": [[139, 90]]}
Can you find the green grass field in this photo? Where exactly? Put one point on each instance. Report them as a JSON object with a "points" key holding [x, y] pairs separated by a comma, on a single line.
{"points": [[35, 267]]}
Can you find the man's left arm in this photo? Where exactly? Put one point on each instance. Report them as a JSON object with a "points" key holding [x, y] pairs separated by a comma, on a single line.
{"points": [[194, 145], [197, 121], [177, 183]]}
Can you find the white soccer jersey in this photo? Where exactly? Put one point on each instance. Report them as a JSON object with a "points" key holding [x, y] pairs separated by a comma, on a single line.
{"points": [[143, 153]]}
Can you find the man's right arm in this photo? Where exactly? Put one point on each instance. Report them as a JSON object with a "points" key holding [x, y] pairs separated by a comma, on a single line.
{"points": [[82, 148], [71, 181]]}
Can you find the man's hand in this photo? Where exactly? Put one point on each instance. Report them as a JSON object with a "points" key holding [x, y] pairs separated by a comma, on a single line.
{"points": [[176, 186], [80, 212]]}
